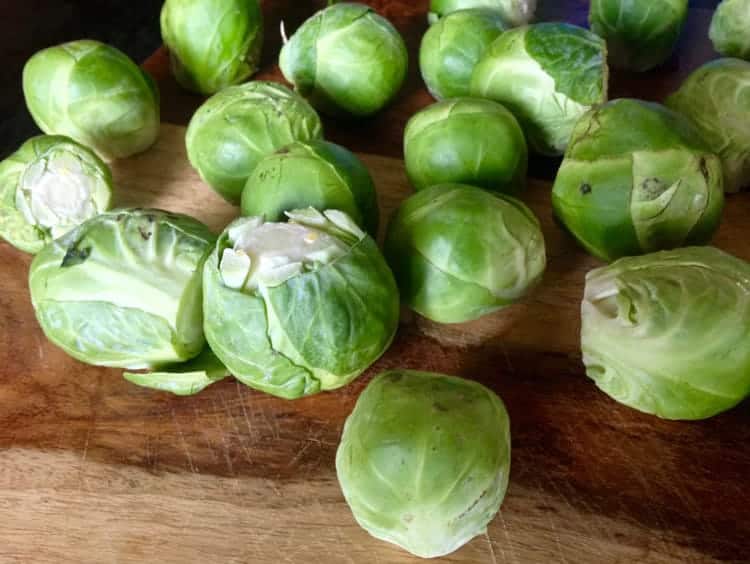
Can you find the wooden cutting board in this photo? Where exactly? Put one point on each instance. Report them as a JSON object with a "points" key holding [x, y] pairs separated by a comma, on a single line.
{"points": [[96, 470]]}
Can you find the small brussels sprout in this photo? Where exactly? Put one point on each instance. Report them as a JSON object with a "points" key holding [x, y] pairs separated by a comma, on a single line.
{"points": [[94, 94], [640, 34], [124, 289], [637, 178], [424, 460], [459, 252], [529, 70], [666, 333], [346, 59], [466, 140], [48, 186], [299, 307], [729, 29], [716, 98], [317, 174], [451, 48], [234, 129], [513, 12]]}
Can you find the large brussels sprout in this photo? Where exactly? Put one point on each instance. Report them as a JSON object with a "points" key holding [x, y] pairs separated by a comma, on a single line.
{"points": [[234, 129], [513, 12], [548, 75], [466, 140], [299, 307], [424, 460], [451, 48], [212, 43], [637, 178], [346, 59], [459, 252], [317, 174], [640, 34], [124, 289], [729, 28], [47, 187], [666, 333], [94, 94]]}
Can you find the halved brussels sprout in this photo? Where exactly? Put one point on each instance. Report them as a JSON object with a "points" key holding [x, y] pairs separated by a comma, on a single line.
{"points": [[548, 75], [48, 186], [317, 174], [300, 307], [94, 94], [716, 98], [513, 12], [729, 28], [234, 129], [346, 59], [466, 140], [212, 43], [637, 178], [459, 253], [666, 333], [640, 34], [424, 460], [124, 289]]}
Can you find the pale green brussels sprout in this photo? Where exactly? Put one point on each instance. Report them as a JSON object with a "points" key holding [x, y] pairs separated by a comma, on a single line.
{"points": [[640, 34], [94, 94], [424, 460], [729, 29], [234, 129], [451, 48], [346, 59], [716, 98], [637, 178], [124, 289], [548, 75], [48, 186], [466, 140], [459, 252], [666, 333], [296, 308], [513, 12], [212, 43], [316, 174]]}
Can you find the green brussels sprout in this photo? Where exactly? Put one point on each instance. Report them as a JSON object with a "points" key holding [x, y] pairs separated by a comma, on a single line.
{"points": [[637, 178], [640, 34], [212, 43], [459, 252], [513, 12], [666, 333], [729, 29], [451, 48], [548, 75], [48, 186], [123, 289], [424, 460], [466, 140], [234, 129], [296, 308], [94, 94], [346, 59], [317, 174]]}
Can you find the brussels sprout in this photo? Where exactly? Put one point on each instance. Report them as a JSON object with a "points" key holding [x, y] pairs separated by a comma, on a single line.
{"points": [[666, 333], [452, 47], [459, 252], [94, 94], [47, 187], [513, 12], [729, 29], [212, 43], [124, 289], [467, 140], [424, 460], [299, 307], [317, 174], [346, 59], [640, 34], [234, 129], [637, 178], [548, 75]]}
